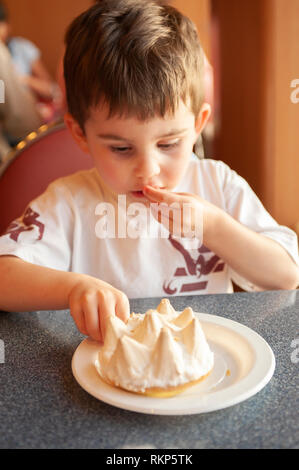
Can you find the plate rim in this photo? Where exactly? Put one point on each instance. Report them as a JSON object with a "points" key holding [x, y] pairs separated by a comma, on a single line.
{"points": [[236, 393]]}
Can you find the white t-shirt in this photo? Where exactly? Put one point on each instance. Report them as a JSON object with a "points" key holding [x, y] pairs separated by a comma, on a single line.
{"points": [[60, 230]]}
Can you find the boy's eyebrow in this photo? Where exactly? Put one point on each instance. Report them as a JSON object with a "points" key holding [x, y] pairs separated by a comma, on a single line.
{"points": [[117, 137], [173, 132]]}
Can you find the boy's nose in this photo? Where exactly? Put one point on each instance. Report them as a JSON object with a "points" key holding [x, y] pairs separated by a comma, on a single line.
{"points": [[147, 168]]}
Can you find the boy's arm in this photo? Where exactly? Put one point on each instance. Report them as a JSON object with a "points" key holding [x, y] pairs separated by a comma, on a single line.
{"points": [[262, 261], [28, 287]]}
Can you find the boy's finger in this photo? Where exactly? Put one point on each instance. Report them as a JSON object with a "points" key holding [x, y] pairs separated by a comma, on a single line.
{"points": [[168, 221], [91, 316], [106, 310], [122, 308], [162, 195], [157, 214], [158, 195], [161, 212], [79, 320]]}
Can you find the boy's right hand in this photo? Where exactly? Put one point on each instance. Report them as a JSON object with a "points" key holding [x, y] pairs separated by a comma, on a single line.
{"points": [[92, 301]]}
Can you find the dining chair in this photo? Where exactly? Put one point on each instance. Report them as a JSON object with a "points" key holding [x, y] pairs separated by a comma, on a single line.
{"points": [[43, 156]]}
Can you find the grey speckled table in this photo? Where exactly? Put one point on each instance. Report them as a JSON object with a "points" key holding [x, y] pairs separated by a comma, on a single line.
{"points": [[42, 406]]}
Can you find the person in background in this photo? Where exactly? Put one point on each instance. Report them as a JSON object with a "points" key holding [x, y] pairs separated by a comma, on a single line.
{"points": [[18, 111], [33, 73]]}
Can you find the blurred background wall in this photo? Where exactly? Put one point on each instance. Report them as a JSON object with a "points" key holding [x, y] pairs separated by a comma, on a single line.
{"points": [[44, 24], [253, 46], [258, 134]]}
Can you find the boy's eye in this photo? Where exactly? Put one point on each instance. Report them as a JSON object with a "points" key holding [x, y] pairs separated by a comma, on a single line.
{"points": [[125, 150], [168, 146], [120, 149]]}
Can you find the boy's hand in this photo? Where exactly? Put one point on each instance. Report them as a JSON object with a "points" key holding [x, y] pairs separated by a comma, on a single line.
{"points": [[198, 221], [92, 301]]}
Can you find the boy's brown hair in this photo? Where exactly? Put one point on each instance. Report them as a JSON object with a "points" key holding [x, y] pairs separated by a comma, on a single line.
{"points": [[140, 57]]}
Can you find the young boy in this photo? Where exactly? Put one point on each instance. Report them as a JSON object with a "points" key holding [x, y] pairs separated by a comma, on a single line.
{"points": [[133, 73]]}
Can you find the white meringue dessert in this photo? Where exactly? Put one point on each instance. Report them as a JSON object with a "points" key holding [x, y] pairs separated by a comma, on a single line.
{"points": [[158, 353]]}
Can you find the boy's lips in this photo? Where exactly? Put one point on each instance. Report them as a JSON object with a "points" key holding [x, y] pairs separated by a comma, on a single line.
{"points": [[138, 194]]}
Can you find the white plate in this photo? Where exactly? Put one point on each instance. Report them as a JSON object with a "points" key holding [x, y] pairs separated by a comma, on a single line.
{"points": [[244, 364]]}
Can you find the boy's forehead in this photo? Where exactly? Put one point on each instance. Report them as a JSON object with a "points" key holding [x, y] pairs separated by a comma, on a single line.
{"points": [[99, 116]]}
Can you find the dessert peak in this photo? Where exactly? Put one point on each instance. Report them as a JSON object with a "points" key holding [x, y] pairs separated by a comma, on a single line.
{"points": [[159, 349]]}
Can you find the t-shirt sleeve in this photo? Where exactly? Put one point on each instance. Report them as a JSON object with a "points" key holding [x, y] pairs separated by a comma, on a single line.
{"points": [[243, 204], [43, 234]]}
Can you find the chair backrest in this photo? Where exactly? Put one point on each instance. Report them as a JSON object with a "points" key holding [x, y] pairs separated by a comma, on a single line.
{"points": [[42, 157]]}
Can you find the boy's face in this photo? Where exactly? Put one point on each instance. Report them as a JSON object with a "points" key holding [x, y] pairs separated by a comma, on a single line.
{"points": [[130, 154]]}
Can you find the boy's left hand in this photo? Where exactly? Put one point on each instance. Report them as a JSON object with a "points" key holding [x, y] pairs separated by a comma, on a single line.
{"points": [[183, 214]]}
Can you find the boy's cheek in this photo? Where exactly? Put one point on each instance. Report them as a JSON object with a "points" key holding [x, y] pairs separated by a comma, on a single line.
{"points": [[112, 176], [175, 174]]}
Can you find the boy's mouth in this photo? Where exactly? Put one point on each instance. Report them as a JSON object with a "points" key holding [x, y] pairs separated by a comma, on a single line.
{"points": [[138, 194]]}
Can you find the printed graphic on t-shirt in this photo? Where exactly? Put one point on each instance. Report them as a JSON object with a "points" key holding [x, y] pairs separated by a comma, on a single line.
{"points": [[27, 223], [194, 268]]}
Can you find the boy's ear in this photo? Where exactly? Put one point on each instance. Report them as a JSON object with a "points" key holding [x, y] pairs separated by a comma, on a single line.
{"points": [[77, 132], [202, 118]]}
